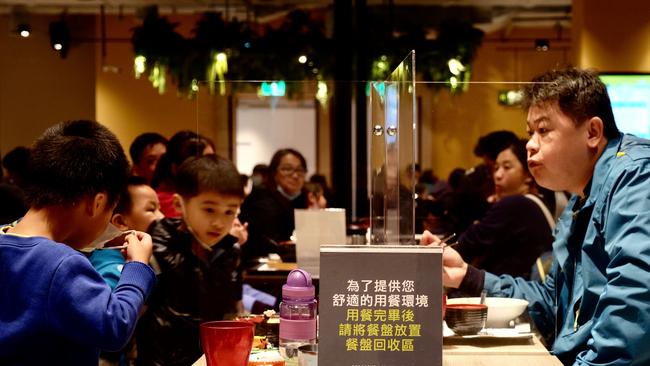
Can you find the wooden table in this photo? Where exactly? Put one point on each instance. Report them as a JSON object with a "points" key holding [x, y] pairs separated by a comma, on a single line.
{"points": [[474, 352], [269, 278], [529, 352], [526, 353]]}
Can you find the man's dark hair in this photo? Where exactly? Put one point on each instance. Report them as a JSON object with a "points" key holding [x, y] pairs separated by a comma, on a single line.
{"points": [[493, 143], [17, 163], [125, 203], [73, 160], [209, 173], [580, 94], [142, 142]]}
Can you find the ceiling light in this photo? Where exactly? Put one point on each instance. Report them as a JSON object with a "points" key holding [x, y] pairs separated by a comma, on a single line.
{"points": [[542, 45], [60, 37], [24, 30]]}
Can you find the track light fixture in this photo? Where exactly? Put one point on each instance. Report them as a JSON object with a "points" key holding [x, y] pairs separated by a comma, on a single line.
{"points": [[19, 21], [24, 30], [60, 37], [542, 45]]}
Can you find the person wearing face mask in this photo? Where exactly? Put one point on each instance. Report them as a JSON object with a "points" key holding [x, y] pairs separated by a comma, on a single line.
{"points": [[137, 209], [517, 228], [199, 277], [269, 209], [55, 308]]}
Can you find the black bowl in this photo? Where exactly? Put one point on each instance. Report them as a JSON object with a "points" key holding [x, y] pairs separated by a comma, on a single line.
{"points": [[466, 319]]}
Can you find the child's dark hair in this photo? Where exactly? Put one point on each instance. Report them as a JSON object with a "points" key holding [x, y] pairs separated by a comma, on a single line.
{"points": [[125, 202], [208, 173], [143, 141], [73, 160]]}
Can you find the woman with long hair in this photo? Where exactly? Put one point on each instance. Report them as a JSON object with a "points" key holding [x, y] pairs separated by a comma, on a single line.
{"points": [[517, 228]]}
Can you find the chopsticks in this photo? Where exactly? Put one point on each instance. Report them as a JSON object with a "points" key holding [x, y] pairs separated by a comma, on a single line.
{"points": [[444, 240]]}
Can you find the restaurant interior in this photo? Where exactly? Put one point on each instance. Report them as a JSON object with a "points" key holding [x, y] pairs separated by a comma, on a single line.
{"points": [[255, 76], [96, 78]]}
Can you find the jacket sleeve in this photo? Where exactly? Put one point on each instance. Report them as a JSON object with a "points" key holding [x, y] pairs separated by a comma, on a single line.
{"points": [[79, 298], [540, 296], [619, 335]]}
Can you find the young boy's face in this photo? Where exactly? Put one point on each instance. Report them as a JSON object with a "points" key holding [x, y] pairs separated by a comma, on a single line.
{"points": [[145, 208], [210, 215]]}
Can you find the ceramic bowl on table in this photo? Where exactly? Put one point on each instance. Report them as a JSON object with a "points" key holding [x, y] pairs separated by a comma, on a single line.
{"points": [[501, 310]]}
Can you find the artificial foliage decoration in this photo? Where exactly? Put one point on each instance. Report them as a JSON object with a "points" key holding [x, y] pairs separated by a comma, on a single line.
{"points": [[458, 41], [223, 53], [160, 45]]}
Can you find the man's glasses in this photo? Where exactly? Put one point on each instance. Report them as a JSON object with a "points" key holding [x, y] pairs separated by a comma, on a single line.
{"points": [[289, 170]]}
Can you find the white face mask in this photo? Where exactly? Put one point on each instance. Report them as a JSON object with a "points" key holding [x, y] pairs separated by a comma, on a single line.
{"points": [[111, 232], [189, 227]]}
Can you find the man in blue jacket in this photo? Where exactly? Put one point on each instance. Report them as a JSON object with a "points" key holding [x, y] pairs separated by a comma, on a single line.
{"points": [[596, 300]]}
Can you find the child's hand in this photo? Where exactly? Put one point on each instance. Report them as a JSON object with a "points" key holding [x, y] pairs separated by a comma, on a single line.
{"points": [[240, 231], [139, 247]]}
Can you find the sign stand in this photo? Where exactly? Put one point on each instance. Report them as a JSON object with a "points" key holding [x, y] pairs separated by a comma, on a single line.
{"points": [[381, 304]]}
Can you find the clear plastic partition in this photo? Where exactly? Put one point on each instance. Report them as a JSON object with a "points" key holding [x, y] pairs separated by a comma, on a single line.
{"points": [[436, 124], [392, 157]]}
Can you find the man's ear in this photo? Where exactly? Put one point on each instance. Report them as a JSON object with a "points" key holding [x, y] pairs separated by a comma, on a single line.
{"points": [[97, 204], [595, 132], [120, 222], [177, 201]]}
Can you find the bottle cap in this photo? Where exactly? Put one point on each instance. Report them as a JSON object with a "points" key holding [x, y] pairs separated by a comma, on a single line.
{"points": [[299, 285]]}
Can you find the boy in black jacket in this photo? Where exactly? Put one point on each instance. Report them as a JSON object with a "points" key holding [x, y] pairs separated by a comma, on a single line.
{"points": [[199, 263]]}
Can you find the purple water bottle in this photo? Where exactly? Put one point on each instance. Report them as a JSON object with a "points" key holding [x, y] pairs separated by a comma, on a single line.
{"points": [[297, 313]]}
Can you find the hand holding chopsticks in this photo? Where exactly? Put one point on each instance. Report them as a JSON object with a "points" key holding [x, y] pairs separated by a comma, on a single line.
{"points": [[444, 241]]}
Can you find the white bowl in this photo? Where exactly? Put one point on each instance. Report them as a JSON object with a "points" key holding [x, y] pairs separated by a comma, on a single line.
{"points": [[501, 310]]}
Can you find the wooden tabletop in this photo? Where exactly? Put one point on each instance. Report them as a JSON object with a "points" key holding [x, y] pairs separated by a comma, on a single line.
{"points": [[477, 352], [527, 353], [276, 266]]}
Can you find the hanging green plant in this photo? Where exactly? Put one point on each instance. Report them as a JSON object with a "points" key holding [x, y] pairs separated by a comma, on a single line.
{"points": [[294, 52], [451, 55], [158, 48]]}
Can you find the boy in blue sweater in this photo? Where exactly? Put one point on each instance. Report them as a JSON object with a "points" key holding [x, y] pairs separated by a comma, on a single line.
{"points": [[55, 308]]}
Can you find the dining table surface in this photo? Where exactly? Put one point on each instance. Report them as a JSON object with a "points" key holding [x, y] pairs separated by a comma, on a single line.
{"points": [[497, 352], [456, 351], [483, 352]]}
